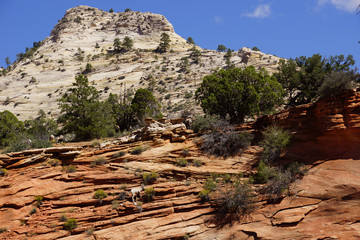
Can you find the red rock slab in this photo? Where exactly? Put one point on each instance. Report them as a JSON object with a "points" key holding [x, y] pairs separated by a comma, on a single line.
{"points": [[331, 179], [113, 178], [58, 234], [70, 192], [26, 152], [289, 202], [146, 228], [337, 219], [29, 161], [51, 175], [25, 191], [292, 215], [69, 154], [61, 149], [44, 150], [83, 236]]}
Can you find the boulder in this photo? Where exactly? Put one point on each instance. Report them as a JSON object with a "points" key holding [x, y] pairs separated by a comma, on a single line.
{"points": [[4, 157], [178, 139]]}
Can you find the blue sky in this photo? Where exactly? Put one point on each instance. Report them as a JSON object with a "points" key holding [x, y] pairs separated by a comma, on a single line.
{"points": [[286, 28]]}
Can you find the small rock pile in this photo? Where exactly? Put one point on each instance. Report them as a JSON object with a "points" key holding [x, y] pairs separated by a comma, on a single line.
{"points": [[173, 129]]}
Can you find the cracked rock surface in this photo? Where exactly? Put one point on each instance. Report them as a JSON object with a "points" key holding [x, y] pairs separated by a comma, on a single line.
{"points": [[324, 204]]}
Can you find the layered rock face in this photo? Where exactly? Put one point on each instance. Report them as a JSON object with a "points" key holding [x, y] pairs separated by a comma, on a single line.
{"points": [[327, 129], [86, 35], [322, 205]]}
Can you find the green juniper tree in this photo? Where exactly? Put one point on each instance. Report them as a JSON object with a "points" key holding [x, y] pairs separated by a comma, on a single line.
{"points": [[122, 111], [88, 68], [190, 41], [227, 56], [195, 55], [7, 61], [127, 44], [221, 48], [164, 43], [40, 129], [303, 77], [238, 93], [10, 128], [144, 105], [117, 45], [124, 46], [184, 65], [129, 112]]}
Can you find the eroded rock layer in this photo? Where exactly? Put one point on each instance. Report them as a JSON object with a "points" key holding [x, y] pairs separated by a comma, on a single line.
{"points": [[322, 205]]}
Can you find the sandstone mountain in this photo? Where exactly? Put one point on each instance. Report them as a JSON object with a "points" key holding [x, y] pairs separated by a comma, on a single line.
{"points": [[85, 35], [42, 189]]}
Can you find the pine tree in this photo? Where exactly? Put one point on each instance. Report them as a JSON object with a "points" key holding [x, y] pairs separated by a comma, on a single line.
{"points": [[7, 61], [221, 48], [127, 44], [144, 105], [195, 55], [10, 128], [117, 45], [82, 112], [190, 40], [164, 43]]}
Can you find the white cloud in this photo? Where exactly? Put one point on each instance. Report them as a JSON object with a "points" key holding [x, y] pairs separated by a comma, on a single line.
{"points": [[262, 11], [218, 19], [346, 5]]}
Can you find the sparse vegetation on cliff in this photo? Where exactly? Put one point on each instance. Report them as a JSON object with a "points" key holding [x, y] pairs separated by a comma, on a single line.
{"points": [[137, 150], [190, 40], [221, 48], [3, 172], [29, 52], [222, 140], [204, 124], [88, 68], [150, 177], [100, 194], [274, 141], [149, 194], [237, 198], [225, 144], [181, 162], [124, 46], [70, 224], [39, 200]]}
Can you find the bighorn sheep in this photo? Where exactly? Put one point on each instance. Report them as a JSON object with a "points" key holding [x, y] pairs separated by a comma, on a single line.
{"points": [[136, 191]]}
